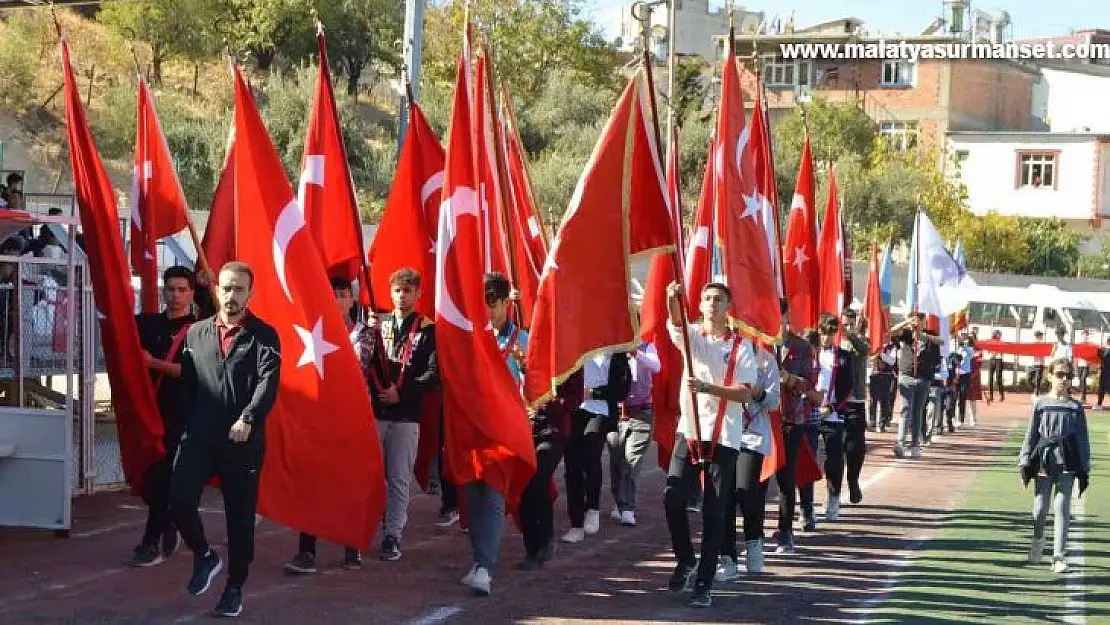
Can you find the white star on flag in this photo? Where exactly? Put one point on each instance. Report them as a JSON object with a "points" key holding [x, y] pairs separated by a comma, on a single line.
{"points": [[800, 257], [752, 206], [315, 347]]}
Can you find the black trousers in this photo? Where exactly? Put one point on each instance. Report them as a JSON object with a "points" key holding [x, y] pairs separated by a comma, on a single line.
{"points": [[449, 495], [845, 448], [812, 434], [994, 379], [159, 525], [583, 465], [1084, 372], [792, 438], [720, 481], [239, 467], [537, 511], [962, 388], [750, 495], [881, 408], [1037, 375]]}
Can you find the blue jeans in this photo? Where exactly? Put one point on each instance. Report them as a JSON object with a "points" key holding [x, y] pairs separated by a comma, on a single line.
{"points": [[485, 509]]}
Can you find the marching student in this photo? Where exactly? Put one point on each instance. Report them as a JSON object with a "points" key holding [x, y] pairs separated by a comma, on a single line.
{"points": [[856, 344], [811, 431], [485, 506], [1055, 455], [410, 349], [230, 369], [797, 377], [994, 372], [630, 441], [1084, 369], [364, 340], [884, 374], [970, 386], [724, 372], [607, 379], [750, 494], [836, 383], [918, 359], [1036, 373], [1103, 373], [162, 336]]}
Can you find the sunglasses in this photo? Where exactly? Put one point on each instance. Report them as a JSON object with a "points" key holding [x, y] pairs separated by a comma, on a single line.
{"points": [[1061, 375]]}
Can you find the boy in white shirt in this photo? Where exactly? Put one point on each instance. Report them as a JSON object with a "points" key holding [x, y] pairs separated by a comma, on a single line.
{"points": [[723, 376]]}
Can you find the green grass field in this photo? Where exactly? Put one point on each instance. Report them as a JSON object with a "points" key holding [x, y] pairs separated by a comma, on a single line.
{"points": [[975, 570]]}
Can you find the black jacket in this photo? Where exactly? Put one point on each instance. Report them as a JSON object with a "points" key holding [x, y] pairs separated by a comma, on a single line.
{"points": [[843, 382], [157, 333], [421, 374], [245, 383], [618, 385]]}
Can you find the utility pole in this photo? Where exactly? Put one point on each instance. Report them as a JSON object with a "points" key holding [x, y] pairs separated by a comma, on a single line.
{"points": [[412, 53], [642, 11]]}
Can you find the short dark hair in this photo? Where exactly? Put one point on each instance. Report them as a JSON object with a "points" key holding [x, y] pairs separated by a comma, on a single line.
{"points": [[339, 283], [720, 286], [14, 178], [177, 271], [848, 312], [405, 276], [813, 337], [828, 323], [10, 245], [1063, 362], [1037, 334], [54, 211], [497, 287], [238, 266]]}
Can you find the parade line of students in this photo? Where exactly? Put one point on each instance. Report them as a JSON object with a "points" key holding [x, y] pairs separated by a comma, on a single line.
{"points": [[216, 380]]}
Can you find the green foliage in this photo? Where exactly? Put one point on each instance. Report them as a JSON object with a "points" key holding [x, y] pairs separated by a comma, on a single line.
{"points": [[169, 27], [20, 67], [993, 242], [1095, 265], [535, 41], [360, 33], [1053, 249], [689, 88], [265, 28], [836, 131]]}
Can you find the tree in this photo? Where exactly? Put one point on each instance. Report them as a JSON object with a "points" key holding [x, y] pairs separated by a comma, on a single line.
{"points": [[1053, 249], [534, 41], [689, 88], [992, 242], [361, 32], [263, 28], [169, 27], [835, 130]]}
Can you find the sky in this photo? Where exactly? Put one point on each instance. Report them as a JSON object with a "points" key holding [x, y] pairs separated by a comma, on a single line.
{"points": [[1031, 18]]}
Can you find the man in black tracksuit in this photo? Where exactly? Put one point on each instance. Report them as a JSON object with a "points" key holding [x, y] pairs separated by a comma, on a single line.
{"points": [[162, 337], [230, 369]]}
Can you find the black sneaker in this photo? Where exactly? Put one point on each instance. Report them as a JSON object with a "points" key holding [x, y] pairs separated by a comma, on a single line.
{"points": [[205, 569], [171, 541], [145, 556], [810, 524], [530, 563], [701, 597], [547, 552], [391, 549], [447, 518], [855, 494], [352, 559], [231, 603], [681, 577], [304, 563]]}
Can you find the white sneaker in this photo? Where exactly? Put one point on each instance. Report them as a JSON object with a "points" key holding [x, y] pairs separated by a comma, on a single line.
{"points": [[480, 582], [615, 514], [469, 577], [754, 557], [1036, 551], [593, 522], [1059, 565], [832, 509], [727, 571], [915, 453], [574, 536], [628, 518]]}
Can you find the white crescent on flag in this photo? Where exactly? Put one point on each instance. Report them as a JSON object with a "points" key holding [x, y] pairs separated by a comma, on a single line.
{"points": [[463, 202], [289, 222]]}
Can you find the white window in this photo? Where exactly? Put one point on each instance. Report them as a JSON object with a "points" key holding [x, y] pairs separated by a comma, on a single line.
{"points": [[780, 72], [902, 136], [898, 74], [1037, 170]]}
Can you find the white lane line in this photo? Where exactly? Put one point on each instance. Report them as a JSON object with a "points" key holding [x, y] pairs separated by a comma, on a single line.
{"points": [[436, 616], [1076, 605]]}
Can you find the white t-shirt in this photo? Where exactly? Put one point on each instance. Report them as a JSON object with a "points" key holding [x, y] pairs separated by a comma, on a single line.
{"points": [[1061, 350], [827, 360], [710, 358], [595, 374]]}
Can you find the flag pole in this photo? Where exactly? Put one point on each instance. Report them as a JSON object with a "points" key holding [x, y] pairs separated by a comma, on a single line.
{"points": [[507, 104], [680, 275]]}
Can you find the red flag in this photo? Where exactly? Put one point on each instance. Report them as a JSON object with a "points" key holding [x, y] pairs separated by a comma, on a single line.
{"points": [[878, 324], [699, 255], [137, 418], [326, 192], [745, 257], [487, 433], [806, 468], [529, 246], [406, 234], [764, 168], [776, 459], [492, 206], [666, 384], [158, 206], [219, 233], [587, 272], [830, 256], [323, 472], [800, 255]]}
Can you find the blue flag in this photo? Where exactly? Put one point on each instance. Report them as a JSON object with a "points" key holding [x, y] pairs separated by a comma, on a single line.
{"points": [[886, 276]]}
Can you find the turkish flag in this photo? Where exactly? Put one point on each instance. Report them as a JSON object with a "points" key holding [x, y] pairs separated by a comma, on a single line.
{"points": [[487, 434], [138, 421], [807, 469], [745, 256], [492, 209], [666, 385], [323, 472], [529, 247], [699, 255], [878, 324], [830, 256], [326, 191], [158, 206], [219, 233], [406, 234], [763, 165], [800, 255], [584, 299]]}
